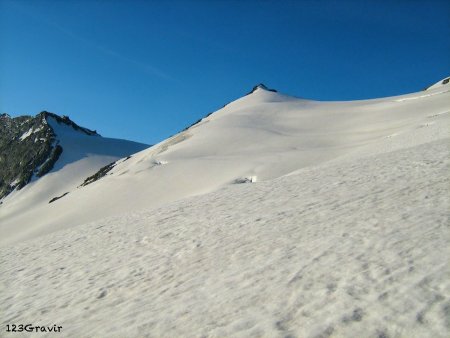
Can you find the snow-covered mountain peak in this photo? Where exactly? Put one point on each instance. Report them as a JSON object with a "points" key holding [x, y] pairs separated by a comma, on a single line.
{"points": [[260, 94], [260, 87]]}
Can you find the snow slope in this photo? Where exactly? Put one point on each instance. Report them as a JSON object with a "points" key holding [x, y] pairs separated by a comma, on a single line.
{"points": [[355, 248], [82, 156], [258, 137]]}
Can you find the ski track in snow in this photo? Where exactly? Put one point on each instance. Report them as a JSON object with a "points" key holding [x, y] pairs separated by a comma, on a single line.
{"points": [[357, 248]]}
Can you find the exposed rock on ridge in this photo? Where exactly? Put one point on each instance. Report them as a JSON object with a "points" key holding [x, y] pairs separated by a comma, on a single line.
{"points": [[29, 147]]}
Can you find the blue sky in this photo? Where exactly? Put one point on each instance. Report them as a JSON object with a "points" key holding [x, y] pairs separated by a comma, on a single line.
{"points": [[144, 70]]}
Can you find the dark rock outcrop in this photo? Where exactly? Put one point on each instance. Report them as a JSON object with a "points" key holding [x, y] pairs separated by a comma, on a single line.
{"points": [[261, 86], [29, 147]]}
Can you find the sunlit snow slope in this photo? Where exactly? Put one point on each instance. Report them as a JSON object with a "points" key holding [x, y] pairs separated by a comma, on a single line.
{"points": [[261, 136], [353, 249]]}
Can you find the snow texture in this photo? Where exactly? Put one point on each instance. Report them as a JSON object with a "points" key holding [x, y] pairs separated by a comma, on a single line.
{"points": [[358, 249]]}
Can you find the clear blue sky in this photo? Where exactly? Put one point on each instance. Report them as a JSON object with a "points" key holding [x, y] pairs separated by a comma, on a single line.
{"points": [[143, 70]]}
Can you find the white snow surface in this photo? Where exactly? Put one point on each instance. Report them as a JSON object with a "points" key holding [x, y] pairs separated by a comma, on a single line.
{"points": [[340, 230]]}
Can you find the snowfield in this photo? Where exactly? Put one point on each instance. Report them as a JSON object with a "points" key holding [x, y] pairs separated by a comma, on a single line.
{"points": [[340, 228], [354, 250]]}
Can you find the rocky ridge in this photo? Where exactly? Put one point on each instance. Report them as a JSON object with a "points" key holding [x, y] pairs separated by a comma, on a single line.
{"points": [[29, 148]]}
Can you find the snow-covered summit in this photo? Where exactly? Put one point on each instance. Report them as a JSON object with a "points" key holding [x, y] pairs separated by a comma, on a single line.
{"points": [[261, 86]]}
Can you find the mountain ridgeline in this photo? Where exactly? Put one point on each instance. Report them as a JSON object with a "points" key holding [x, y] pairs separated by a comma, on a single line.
{"points": [[29, 148]]}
